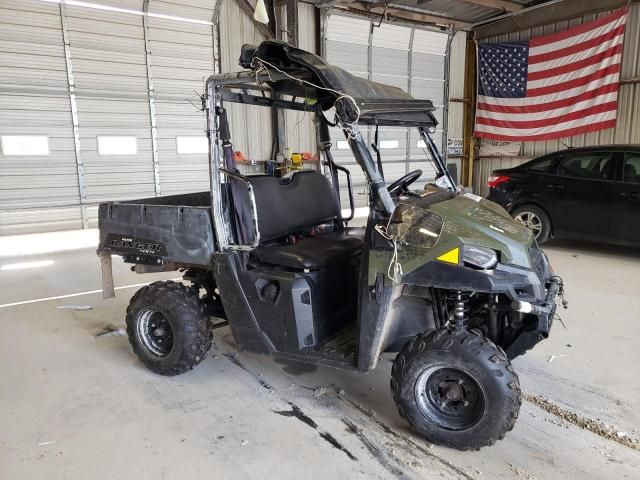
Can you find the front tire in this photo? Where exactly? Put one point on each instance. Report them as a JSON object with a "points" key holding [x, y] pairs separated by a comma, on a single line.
{"points": [[456, 388], [168, 327]]}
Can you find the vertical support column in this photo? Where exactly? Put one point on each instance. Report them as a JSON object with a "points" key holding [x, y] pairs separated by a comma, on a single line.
{"points": [[279, 115], [152, 100], [324, 19], [74, 115], [215, 33], [369, 69], [292, 22], [445, 99], [469, 113], [409, 77]]}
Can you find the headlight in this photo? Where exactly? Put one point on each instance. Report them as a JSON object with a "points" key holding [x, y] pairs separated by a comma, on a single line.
{"points": [[479, 257]]}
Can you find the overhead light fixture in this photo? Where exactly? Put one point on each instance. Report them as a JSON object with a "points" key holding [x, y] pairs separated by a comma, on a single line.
{"points": [[260, 13]]}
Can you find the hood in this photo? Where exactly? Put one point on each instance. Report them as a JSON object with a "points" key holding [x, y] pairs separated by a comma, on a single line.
{"points": [[477, 221]]}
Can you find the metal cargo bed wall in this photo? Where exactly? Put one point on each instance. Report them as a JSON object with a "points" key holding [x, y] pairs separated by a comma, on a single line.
{"points": [[627, 129], [410, 58], [36, 192]]}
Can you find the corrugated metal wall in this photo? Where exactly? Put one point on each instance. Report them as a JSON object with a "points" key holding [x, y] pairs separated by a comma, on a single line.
{"points": [[409, 58], [628, 125], [35, 191], [131, 75]]}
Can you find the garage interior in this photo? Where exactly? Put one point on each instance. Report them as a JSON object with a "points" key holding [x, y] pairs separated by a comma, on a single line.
{"points": [[102, 102]]}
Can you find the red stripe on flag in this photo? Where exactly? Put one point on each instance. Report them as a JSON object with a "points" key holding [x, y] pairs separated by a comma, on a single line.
{"points": [[578, 47], [578, 82], [543, 107], [603, 107], [552, 72], [550, 136], [556, 37]]}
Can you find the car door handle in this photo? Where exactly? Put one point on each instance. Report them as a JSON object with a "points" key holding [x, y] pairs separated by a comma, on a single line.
{"points": [[556, 186], [632, 195]]}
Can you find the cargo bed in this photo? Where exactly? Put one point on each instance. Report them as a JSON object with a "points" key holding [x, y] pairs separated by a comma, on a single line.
{"points": [[159, 230]]}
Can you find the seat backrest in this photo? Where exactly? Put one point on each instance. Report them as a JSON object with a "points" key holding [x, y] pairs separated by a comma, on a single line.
{"points": [[293, 203]]}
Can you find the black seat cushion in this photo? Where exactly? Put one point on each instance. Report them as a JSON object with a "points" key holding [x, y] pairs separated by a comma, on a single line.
{"points": [[312, 253]]}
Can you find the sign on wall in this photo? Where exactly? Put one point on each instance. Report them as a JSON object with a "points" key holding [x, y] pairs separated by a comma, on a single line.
{"points": [[454, 146], [499, 148]]}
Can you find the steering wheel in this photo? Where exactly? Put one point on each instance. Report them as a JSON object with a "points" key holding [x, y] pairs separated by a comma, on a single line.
{"points": [[402, 184]]}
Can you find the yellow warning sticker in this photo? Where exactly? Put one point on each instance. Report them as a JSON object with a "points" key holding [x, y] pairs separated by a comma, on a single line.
{"points": [[452, 256]]}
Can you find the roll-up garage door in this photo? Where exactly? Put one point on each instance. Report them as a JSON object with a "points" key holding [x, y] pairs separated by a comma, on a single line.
{"points": [[409, 58], [109, 68], [182, 59], [85, 89], [38, 179]]}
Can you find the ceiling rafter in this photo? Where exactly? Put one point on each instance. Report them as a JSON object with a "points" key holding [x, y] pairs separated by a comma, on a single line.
{"points": [[505, 5], [395, 11]]}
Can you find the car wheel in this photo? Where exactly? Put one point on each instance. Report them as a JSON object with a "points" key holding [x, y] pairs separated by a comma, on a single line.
{"points": [[535, 219], [456, 388]]}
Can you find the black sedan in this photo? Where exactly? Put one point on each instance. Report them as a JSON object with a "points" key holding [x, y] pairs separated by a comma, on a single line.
{"points": [[590, 193]]}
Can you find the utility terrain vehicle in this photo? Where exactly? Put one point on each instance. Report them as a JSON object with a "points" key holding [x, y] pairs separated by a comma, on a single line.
{"points": [[446, 279]]}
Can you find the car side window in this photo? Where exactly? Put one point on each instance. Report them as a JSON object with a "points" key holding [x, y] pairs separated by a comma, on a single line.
{"points": [[631, 170], [592, 166], [541, 165]]}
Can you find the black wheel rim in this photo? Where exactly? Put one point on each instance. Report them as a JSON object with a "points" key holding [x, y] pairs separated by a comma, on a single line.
{"points": [[450, 398], [154, 332], [531, 221]]}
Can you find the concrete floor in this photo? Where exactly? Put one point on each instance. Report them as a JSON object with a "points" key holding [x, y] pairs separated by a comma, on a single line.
{"points": [[76, 404]]}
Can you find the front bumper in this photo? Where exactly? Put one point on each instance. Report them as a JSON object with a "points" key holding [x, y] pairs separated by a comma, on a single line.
{"points": [[545, 312]]}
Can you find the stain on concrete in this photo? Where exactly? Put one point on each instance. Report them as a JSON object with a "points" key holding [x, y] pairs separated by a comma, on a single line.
{"points": [[297, 413], [374, 450], [335, 444], [110, 330]]}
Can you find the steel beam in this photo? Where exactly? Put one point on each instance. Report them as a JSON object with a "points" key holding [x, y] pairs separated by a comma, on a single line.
{"points": [[543, 14], [74, 115], [409, 82], [215, 34], [152, 100], [505, 5], [399, 12]]}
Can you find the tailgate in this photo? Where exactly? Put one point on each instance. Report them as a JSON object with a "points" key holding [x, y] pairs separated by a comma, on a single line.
{"points": [[156, 234]]}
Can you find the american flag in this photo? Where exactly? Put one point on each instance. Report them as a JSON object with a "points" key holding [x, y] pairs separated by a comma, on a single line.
{"points": [[553, 86]]}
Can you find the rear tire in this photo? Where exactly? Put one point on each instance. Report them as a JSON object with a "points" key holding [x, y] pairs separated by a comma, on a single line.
{"points": [[535, 219], [456, 388], [168, 327]]}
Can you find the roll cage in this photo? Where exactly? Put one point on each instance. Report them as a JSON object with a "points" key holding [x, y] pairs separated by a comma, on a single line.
{"points": [[303, 82]]}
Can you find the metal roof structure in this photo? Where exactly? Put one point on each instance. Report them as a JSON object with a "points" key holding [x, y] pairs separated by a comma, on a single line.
{"points": [[460, 14]]}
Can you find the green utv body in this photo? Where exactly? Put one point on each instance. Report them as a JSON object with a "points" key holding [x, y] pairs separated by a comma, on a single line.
{"points": [[445, 278]]}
